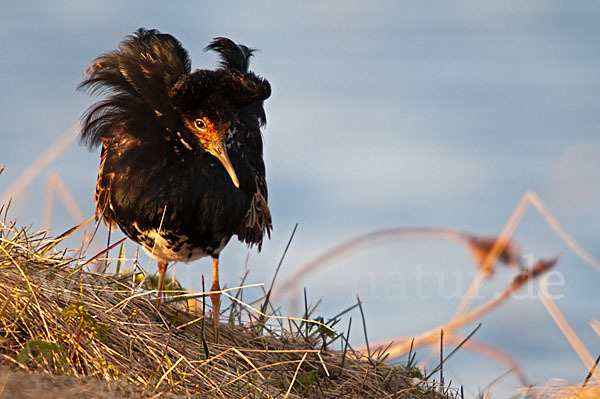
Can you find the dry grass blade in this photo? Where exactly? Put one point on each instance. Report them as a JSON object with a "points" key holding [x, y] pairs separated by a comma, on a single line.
{"points": [[492, 353], [346, 342], [55, 184], [595, 324], [64, 235], [476, 245], [323, 364], [95, 257], [431, 335], [560, 231], [295, 375], [557, 389], [444, 359], [566, 328], [488, 262], [41, 162], [590, 373], [265, 304], [364, 324], [530, 198], [240, 354], [496, 380], [168, 372], [258, 312]]}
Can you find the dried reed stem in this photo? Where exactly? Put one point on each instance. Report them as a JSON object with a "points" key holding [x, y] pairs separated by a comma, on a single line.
{"points": [[566, 328], [431, 336], [39, 164]]}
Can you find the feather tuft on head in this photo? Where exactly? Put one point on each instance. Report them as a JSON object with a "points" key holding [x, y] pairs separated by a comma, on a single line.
{"points": [[234, 57]]}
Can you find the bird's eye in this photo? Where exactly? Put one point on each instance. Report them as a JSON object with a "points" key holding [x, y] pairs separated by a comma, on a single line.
{"points": [[200, 124]]}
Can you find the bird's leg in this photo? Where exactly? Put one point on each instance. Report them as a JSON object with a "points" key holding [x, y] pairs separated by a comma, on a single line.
{"points": [[215, 297], [106, 256], [162, 269]]}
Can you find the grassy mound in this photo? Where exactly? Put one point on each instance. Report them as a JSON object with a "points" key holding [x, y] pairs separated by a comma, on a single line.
{"points": [[73, 328]]}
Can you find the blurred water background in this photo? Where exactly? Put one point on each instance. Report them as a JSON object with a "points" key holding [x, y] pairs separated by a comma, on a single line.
{"points": [[383, 114]]}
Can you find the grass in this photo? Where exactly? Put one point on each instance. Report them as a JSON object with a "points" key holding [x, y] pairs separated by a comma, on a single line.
{"points": [[89, 328]]}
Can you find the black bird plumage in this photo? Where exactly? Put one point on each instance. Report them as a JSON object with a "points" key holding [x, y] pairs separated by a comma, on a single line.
{"points": [[167, 135]]}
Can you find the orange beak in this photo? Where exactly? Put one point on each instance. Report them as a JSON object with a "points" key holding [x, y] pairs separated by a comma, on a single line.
{"points": [[218, 150], [212, 139]]}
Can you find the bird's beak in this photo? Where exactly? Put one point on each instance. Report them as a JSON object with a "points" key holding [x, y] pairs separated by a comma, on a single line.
{"points": [[219, 151]]}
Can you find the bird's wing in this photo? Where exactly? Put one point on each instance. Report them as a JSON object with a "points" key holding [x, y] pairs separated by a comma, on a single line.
{"points": [[245, 139], [103, 187], [257, 220]]}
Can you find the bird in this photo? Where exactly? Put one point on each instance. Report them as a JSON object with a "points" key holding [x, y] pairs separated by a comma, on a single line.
{"points": [[181, 163]]}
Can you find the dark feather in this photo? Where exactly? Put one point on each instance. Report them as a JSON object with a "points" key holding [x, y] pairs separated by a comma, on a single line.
{"points": [[234, 57], [136, 79], [218, 93]]}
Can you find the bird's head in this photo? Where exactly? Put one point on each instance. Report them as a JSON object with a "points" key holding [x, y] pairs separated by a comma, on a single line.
{"points": [[211, 138], [208, 100]]}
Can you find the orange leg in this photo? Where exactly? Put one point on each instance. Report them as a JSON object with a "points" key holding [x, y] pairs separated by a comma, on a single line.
{"points": [[162, 269], [215, 297]]}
